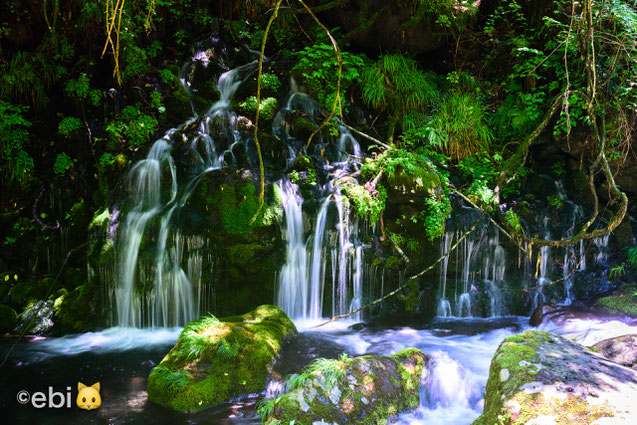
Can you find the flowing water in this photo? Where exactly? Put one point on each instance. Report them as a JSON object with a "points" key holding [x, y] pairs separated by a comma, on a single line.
{"points": [[121, 358]]}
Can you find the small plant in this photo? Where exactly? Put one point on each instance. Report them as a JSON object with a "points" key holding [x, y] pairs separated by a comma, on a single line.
{"points": [[559, 169], [69, 126], [513, 221], [555, 201], [270, 82], [62, 164]]}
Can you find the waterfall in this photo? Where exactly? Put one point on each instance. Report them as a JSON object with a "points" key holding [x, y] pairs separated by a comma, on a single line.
{"points": [[601, 243], [545, 252], [444, 306], [480, 260], [165, 290]]}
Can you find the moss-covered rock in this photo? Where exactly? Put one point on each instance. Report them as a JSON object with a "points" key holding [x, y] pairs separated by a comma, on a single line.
{"points": [[541, 378], [267, 107], [361, 390], [217, 360], [623, 301], [8, 318], [78, 309]]}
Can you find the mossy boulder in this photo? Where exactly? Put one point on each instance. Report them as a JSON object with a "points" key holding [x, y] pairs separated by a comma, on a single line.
{"points": [[405, 186], [621, 349], [23, 294], [267, 107], [78, 309], [623, 301], [216, 360], [361, 390], [541, 378], [8, 318]]}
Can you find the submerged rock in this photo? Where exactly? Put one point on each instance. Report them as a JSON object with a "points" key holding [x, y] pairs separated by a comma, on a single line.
{"points": [[621, 349], [542, 378], [549, 311], [362, 390], [216, 360]]}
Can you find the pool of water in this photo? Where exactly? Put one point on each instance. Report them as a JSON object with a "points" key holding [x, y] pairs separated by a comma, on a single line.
{"points": [[121, 359]]}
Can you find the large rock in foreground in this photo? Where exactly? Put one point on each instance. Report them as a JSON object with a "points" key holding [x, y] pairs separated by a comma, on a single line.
{"points": [[217, 360], [541, 378], [360, 390]]}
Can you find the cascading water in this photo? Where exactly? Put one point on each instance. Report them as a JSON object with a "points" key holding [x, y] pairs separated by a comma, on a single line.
{"points": [[303, 277], [171, 279], [479, 260]]}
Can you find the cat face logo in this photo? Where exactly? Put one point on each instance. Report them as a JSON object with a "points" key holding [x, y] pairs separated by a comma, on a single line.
{"points": [[88, 398]]}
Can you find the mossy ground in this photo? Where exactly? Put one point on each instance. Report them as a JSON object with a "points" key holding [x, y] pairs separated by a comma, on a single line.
{"points": [[216, 360]]}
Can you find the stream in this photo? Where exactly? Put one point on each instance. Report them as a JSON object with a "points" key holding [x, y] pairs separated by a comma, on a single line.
{"points": [[121, 359]]}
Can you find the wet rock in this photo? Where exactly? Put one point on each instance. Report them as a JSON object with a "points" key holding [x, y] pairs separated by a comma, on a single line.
{"points": [[541, 378], [367, 389], [216, 360], [621, 349], [37, 319], [549, 311]]}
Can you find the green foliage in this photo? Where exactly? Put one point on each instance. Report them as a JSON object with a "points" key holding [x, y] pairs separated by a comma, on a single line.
{"points": [[513, 221], [62, 164], [367, 205], [434, 216], [132, 127], [69, 126], [318, 66], [17, 164], [631, 256], [28, 76], [555, 201], [270, 82], [81, 90], [395, 85], [458, 126]]}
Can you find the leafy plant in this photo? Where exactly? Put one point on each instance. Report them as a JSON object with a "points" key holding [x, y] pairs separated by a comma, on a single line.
{"points": [[318, 67], [513, 221], [132, 127], [458, 126], [17, 164], [62, 164], [69, 126], [555, 201], [395, 85]]}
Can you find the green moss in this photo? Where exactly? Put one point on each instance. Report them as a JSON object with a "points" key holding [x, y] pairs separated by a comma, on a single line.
{"points": [[237, 205], [267, 108], [516, 363], [241, 254], [393, 263], [8, 318], [624, 304], [216, 360], [23, 294], [364, 390], [100, 220]]}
